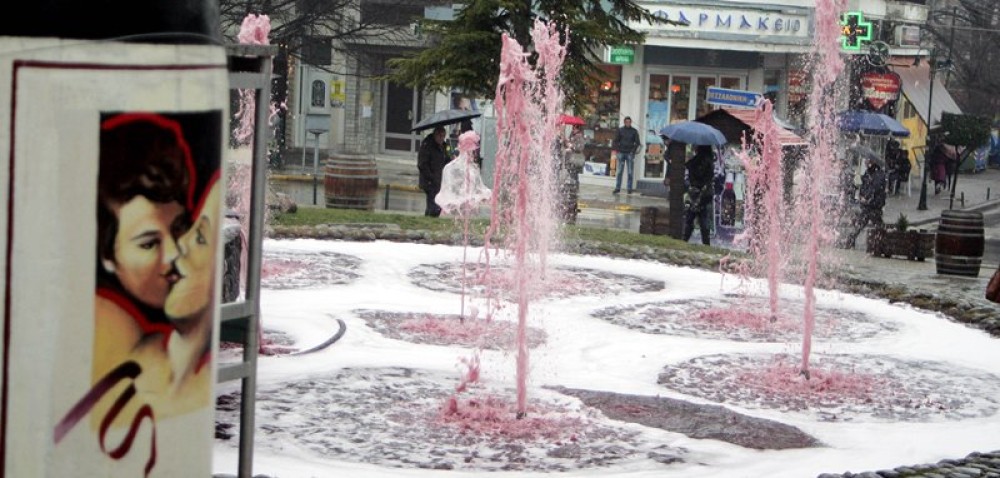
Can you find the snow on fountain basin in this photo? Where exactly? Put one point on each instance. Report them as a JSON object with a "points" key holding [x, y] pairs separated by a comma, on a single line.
{"points": [[581, 351]]}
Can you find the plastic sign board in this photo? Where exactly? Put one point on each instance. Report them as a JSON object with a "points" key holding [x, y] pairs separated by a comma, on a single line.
{"points": [[855, 31], [622, 55], [96, 316], [736, 98], [878, 89]]}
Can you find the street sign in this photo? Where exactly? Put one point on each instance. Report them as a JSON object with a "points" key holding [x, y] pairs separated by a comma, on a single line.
{"points": [[727, 97], [622, 55]]}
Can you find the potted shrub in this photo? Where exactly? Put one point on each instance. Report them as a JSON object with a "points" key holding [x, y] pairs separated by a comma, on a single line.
{"points": [[901, 241]]}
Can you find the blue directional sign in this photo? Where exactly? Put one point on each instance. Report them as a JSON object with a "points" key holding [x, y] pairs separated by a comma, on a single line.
{"points": [[727, 97]]}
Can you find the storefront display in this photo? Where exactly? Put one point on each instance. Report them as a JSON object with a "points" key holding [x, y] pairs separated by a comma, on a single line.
{"points": [[602, 120], [669, 101]]}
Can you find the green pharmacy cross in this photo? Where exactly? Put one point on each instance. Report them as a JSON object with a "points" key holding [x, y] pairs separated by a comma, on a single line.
{"points": [[855, 31]]}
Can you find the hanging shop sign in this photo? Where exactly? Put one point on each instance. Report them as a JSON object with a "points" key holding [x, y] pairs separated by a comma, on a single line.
{"points": [[879, 89], [621, 55], [736, 98], [798, 86]]}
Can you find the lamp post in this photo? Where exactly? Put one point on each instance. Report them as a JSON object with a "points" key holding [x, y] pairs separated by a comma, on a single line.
{"points": [[934, 68], [316, 132], [922, 203]]}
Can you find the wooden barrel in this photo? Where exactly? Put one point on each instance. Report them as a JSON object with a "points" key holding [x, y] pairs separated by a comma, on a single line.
{"points": [[350, 182], [654, 220], [960, 243]]}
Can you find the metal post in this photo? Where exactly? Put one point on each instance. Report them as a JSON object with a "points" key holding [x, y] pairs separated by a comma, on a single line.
{"points": [[302, 110], [386, 197], [922, 204], [951, 45], [315, 164]]}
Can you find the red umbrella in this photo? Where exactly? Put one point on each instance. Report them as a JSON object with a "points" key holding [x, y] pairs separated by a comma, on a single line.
{"points": [[571, 120]]}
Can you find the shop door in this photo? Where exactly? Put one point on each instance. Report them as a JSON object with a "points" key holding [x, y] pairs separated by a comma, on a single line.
{"points": [[402, 111], [657, 113]]}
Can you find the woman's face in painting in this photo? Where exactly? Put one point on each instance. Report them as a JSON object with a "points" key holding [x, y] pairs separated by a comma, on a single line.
{"points": [[193, 290], [144, 248]]}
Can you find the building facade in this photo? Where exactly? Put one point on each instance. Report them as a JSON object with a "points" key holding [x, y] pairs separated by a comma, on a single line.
{"points": [[756, 47]]}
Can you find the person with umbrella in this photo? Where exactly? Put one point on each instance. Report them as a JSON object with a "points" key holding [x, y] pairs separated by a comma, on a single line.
{"points": [[698, 201], [626, 144], [871, 198], [430, 162]]}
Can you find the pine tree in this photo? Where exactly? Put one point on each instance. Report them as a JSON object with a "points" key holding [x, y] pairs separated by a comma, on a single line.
{"points": [[465, 51]]}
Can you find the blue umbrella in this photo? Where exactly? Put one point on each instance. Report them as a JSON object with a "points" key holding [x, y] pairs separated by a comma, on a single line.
{"points": [[693, 132], [869, 122]]}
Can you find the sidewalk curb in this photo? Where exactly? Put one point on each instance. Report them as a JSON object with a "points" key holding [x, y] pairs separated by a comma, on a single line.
{"points": [[615, 207], [606, 205], [976, 208], [305, 178]]}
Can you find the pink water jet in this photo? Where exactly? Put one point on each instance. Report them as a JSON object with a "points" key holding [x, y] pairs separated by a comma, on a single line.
{"points": [[761, 157], [462, 192], [815, 214], [528, 103], [817, 202], [254, 30]]}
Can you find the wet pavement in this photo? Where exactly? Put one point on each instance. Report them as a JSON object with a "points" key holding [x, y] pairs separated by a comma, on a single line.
{"points": [[398, 192]]}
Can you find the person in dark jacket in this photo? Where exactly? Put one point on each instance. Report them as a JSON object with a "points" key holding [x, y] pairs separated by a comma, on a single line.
{"points": [[625, 144], [871, 198], [898, 165], [937, 161], [698, 200], [430, 161]]}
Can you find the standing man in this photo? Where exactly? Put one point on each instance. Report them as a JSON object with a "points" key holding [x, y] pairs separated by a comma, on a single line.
{"points": [[872, 200], [430, 162], [698, 200], [625, 144]]}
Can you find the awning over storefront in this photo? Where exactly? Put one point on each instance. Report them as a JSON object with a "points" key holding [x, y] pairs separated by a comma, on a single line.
{"points": [[785, 138], [916, 87]]}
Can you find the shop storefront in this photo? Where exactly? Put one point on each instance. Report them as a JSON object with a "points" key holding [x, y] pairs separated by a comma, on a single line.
{"points": [[602, 117], [726, 44]]}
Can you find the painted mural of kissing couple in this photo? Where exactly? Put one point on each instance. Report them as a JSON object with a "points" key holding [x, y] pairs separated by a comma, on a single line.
{"points": [[157, 242]]}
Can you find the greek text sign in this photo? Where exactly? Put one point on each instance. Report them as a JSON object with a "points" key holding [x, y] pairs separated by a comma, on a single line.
{"points": [[729, 20], [621, 55], [727, 97]]}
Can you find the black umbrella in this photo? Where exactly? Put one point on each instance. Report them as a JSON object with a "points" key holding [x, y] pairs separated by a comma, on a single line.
{"points": [[444, 118]]}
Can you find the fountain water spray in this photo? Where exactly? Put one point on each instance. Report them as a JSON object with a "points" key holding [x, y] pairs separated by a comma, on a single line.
{"points": [[528, 104], [815, 213], [254, 30], [762, 163], [462, 192]]}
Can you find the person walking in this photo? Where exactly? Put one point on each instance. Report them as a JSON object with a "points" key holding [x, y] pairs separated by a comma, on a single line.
{"points": [[626, 144], [430, 162], [872, 200], [937, 160], [698, 200], [897, 166]]}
